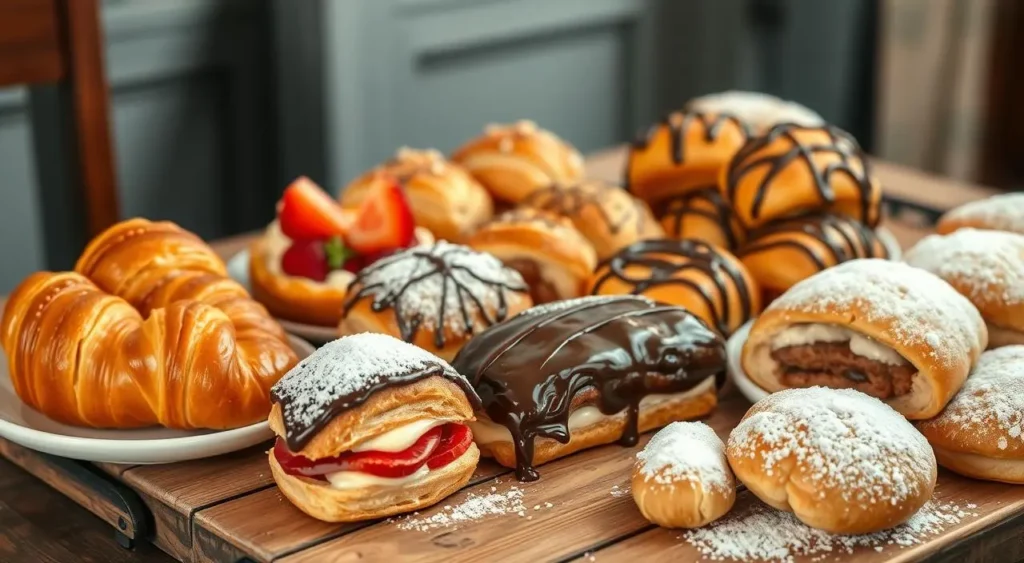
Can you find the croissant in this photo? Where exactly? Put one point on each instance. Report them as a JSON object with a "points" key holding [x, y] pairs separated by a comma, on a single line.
{"points": [[147, 330]]}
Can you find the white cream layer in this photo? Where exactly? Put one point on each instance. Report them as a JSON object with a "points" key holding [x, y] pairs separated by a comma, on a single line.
{"points": [[489, 432], [400, 438], [358, 479], [275, 244], [861, 345]]}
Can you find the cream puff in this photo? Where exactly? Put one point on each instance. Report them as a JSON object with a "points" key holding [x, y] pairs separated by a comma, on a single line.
{"points": [[761, 111], [436, 297], [570, 375], [1004, 212], [369, 426]]}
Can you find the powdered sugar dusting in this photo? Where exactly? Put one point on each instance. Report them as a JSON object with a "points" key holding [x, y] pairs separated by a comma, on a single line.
{"points": [[842, 440], [475, 507], [918, 307], [686, 451], [1004, 212], [762, 533], [987, 265]]}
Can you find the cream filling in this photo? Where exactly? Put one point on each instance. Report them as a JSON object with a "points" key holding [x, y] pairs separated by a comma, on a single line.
{"points": [[358, 479], [861, 345], [486, 431], [275, 244], [400, 438]]}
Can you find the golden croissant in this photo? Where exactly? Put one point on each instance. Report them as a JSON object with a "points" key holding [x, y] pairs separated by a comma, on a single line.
{"points": [[147, 330]]}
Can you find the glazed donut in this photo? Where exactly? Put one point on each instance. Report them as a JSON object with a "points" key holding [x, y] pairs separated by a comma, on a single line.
{"points": [[761, 111], [702, 214], [1004, 212]]}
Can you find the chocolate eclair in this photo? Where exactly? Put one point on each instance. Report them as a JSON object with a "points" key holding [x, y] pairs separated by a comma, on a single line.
{"points": [[570, 375]]}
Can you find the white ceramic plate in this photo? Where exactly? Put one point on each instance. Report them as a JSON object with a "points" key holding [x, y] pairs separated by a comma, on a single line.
{"points": [[733, 352], [238, 269], [24, 425], [890, 243]]}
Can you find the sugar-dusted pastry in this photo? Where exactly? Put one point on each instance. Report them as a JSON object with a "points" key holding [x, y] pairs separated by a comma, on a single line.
{"points": [[369, 426], [707, 280], [513, 160], [443, 197], [1004, 212], [839, 460], [793, 169], [683, 152], [988, 268], [702, 214], [761, 111], [884, 328], [682, 478], [148, 330], [435, 296], [781, 253], [546, 249], [979, 433], [607, 215], [570, 375]]}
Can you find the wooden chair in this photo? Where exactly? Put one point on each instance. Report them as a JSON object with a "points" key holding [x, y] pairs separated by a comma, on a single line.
{"points": [[56, 48]]}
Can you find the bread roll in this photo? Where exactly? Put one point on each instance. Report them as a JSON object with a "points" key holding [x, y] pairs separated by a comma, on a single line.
{"points": [[1004, 212]]}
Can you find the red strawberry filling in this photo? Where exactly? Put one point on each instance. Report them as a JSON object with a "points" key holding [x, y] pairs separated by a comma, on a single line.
{"points": [[436, 448]]}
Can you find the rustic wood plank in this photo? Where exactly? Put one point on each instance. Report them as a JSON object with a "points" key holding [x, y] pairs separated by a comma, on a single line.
{"points": [[30, 48], [115, 470]]}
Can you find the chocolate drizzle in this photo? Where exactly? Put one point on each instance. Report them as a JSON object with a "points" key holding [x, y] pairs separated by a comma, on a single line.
{"points": [[717, 211], [663, 260], [520, 215], [531, 370], [841, 238], [841, 144], [570, 201], [440, 286]]}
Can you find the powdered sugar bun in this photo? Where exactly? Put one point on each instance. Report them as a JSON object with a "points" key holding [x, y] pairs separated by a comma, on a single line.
{"points": [[760, 110], [988, 268], [840, 460], [1004, 212], [682, 479], [981, 432], [892, 313]]}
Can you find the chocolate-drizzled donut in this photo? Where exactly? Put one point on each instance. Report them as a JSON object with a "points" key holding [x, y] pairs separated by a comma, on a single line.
{"points": [[704, 215], [707, 280], [793, 169]]}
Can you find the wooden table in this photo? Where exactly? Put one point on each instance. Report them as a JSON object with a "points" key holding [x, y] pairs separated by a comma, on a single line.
{"points": [[224, 508]]}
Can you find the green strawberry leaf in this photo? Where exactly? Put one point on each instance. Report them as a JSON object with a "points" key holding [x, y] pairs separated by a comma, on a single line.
{"points": [[337, 253]]}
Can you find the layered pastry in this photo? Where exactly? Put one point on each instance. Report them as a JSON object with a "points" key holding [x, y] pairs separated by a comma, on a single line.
{"points": [[684, 152], [702, 214], [839, 460], [793, 169], [434, 296], [682, 478], [369, 426], [443, 197], [148, 330], [979, 432], [884, 328], [551, 255], [707, 280], [1004, 212], [781, 253], [575, 374], [987, 267], [607, 215], [761, 111], [306, 258], [513, 160]]}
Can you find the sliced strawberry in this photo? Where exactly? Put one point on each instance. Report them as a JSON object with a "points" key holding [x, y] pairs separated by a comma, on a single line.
{"points": [[383, 222], [306, 259], [455, 440], [306, 212], [381, 464]]}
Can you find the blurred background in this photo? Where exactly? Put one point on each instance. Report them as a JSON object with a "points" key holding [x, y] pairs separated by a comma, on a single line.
{"points": [[217, 104]]}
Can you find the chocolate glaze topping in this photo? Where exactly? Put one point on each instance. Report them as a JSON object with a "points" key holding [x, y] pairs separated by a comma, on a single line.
{"points": [[529, 369], [841, 143], [680, 207], [843, 239], [662, 260], [570, 201]]}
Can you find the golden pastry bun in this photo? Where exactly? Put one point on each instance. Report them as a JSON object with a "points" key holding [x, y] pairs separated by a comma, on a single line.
{"points": [[702, 214], [793, 169], [682, 478], [840, 460], [513, 160], [1004, 212], [979, 432], [761, 111], [547, 250], [708, 281], [898, 309], [686, 151], [435, 296], [443, 197], [607, 215]]}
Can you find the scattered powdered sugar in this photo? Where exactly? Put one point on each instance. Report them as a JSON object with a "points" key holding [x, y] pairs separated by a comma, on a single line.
{"points": [[919, 308], [760, 110], [762, 533], [841, 439], [1004, 212], [689, 451], [555, 306], [986, 265], [991, 400], [475, 507], [618, 491]]}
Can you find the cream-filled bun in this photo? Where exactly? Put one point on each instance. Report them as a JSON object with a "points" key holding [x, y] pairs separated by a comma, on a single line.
{"points": [[370, 426], [1003, 212]]}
